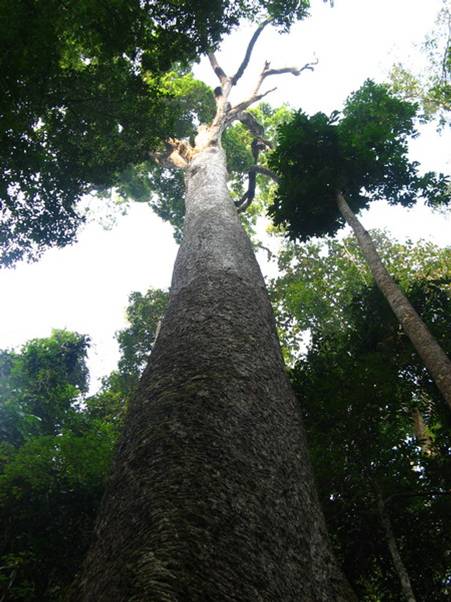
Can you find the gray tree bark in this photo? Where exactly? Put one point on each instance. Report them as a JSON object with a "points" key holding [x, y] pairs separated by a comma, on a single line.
{"points": [[211, 496], [428, 349]]}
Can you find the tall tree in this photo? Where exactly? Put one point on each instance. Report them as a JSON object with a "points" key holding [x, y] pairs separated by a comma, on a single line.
{"points": [[329, 167], [211, 495]]}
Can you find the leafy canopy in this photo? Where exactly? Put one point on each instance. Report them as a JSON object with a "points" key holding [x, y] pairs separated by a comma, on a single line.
{"points": [[88, 89], [40, 385], [361, 153]]}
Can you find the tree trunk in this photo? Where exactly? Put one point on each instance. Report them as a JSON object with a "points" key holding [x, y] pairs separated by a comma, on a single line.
{"points": [[421, 433], [428, 349], [211, 495], [400, 568]]}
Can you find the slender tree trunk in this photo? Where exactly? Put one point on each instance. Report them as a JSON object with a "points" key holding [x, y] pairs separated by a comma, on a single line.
{"points": [[211, 495], [428, 349], [403, 575], [421, 432]]}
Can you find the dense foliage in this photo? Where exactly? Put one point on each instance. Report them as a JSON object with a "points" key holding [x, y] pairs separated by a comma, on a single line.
{"points": [[88, 90], [56, 445], [361, 153]]}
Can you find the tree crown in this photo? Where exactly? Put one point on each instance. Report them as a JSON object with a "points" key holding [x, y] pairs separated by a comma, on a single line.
{"points": [[361, 152]]}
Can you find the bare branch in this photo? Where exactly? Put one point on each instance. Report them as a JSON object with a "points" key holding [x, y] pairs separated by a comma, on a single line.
{"points": [[217, 68], [261, 78], [247, 103], [255, 97], [247, 56], [266, 72], [265, 171], [293, 70], [249, 195]]}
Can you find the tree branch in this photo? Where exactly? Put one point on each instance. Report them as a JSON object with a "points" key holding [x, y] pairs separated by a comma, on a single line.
{"points": [[254, 127], [415, 494], [247, 56], [294, 70], [249, 195], [255, 97], [220, 73], [242, 106], [178, 153], [266, 72], [265, 171]]}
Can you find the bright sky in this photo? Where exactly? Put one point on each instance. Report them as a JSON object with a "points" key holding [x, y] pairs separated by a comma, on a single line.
{"points": [[85, 287]]}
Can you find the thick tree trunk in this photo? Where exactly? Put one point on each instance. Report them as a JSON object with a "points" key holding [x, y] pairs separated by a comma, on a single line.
{"points": [[428, 349], [403, 575], [211, 495]]}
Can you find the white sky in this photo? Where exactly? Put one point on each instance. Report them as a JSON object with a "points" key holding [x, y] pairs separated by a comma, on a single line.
{"points": [[85, 287]]}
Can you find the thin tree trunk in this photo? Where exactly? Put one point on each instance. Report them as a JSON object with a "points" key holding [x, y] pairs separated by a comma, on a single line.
{"points": [[400, 568], [421, 432], [428, 349], [211, 497]]}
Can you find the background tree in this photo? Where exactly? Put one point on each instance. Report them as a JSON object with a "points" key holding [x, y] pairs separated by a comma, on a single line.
{"points": [[431, 88], [56, 444], [331, 168], [41, 384], [54, 454], [362, 389]]}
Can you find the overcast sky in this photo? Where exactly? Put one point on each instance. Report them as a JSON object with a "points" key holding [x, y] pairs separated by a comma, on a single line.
{"points": [[85, 287]]}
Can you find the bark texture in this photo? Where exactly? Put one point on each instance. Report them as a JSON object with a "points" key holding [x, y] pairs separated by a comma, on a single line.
{"points": [[428, 349], [211, 496]]}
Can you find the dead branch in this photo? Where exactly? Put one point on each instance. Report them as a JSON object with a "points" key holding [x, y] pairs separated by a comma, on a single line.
{"points": [[250, 48], [293, 70], [220, 73], [242, 106], [255, 97], [249, 195]]}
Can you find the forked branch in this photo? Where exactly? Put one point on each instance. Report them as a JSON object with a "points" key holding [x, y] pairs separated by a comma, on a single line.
{"points": [[267, 72], [242, 106]]}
